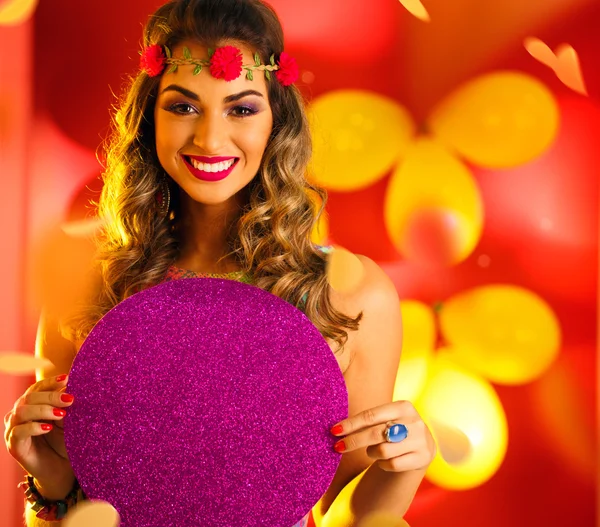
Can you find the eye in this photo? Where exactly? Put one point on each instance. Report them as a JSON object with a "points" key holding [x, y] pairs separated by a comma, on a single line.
{"points": [[179, 108], [247, 111]]}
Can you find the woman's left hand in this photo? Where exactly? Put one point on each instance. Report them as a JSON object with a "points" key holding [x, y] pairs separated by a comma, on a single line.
{"points": [[367, 429]]}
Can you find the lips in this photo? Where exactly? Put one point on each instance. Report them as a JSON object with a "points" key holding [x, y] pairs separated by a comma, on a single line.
{"points": [[209, 176]]}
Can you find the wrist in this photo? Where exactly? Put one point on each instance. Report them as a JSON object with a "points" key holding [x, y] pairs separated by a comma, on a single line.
{"points": [[55, 489], [45, 506]]}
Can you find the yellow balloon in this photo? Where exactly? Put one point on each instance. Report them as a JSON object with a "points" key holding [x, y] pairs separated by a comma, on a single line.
{"points": [[340, 512], [431, 178], [462, 400], [506, 333], [503, 119], [14, 12], [93, 513], [345, 270], [320, 233], [382, 519], [358, 136], [419, 336]]}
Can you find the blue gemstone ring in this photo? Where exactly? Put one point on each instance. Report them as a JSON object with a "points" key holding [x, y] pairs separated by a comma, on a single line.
{"points": [[395, 433]]}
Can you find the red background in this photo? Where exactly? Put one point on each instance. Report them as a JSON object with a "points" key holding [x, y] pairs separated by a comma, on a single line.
{"points": [[59, 72]]}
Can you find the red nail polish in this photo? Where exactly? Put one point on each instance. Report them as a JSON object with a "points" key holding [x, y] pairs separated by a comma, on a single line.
{"points": [[61, 378], [58, 412], [46, 427], [339, 446], [66, 398], [337, 429]]}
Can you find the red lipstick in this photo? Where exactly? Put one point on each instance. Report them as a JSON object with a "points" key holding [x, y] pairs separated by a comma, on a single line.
{"points": [[209, 176]]}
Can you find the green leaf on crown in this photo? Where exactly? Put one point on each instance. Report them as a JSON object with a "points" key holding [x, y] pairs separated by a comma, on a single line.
{"points": [[268, 75], [211, 52], [168, 52], [256, 59], [273, 60], [197, 69], [186, 53]]}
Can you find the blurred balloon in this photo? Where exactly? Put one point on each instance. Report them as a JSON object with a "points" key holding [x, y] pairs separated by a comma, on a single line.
{"points": [[93, 514], [340, 511], [433, 210], [418, 341], [461, 400], [345, 271], [14, 12], [416, 8], [564, 62], [505, 333], [19, 363], [453, 444], [320, 232], [502, 119], [358, 136], [561, 403], [382, 519], [435, 236], [480, 33], [545, 214]]}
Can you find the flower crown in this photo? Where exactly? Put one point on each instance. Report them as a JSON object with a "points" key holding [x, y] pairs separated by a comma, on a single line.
{"points": [[223, 63]]}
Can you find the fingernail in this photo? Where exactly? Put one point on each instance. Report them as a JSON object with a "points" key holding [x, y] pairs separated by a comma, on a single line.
{"points": [[66, 398], [339, 446], [337, 429], [58, 412], [61, 378], [46, 427]]}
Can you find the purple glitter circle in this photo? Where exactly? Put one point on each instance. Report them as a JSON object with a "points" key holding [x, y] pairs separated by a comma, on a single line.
{"points": [[204, 401]]}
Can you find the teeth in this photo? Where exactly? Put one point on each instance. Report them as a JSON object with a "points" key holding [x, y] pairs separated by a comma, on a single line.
{"points": [[212, 167]]}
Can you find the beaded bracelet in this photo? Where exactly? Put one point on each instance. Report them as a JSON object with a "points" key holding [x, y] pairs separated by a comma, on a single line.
{"points": [[50, 510]]}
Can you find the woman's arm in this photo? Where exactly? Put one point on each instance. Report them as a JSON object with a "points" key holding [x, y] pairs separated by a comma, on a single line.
{"points": [[370, 380], [51, 345]]}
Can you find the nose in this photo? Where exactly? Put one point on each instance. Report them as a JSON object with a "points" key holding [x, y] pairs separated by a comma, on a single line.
{"points": [[211, 133]]}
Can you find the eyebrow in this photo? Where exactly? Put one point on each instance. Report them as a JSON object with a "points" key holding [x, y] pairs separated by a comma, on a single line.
{"points": [[195, 97]]}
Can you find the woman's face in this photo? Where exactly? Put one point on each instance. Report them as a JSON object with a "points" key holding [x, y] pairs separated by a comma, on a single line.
{"points": [[199, 115]]}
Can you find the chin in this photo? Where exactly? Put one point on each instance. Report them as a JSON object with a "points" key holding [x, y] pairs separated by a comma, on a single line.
{"points": [[215, 196]]}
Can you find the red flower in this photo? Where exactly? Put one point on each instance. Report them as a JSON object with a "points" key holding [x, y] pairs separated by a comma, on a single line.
{"points": [[226, 63], [288, 71], [152, 60]]}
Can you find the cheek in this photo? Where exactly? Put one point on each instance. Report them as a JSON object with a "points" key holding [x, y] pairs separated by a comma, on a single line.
{"points": [[256, 142], [169, 136]]}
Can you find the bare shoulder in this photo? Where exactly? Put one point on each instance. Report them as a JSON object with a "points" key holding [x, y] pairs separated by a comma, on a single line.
{"points": [[377, 343], [376, 298]]}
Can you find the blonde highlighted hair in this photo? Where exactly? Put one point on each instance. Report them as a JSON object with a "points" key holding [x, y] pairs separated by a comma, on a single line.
{"points": [[271, 238]]}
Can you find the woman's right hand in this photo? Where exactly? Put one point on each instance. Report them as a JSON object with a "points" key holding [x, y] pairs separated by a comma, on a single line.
{"points": [[37, 413]]}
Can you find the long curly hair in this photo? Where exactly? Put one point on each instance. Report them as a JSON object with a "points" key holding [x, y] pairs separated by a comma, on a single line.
{"points": [[270, 239]]}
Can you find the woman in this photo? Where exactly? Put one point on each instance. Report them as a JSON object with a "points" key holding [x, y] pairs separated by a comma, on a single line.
{"points": [[205, 176]]}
